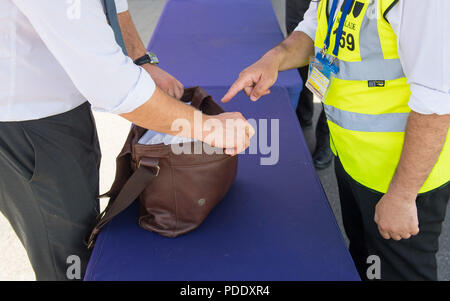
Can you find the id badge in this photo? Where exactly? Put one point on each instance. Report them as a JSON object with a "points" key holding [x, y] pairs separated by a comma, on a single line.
{"points": [[321, 73]]}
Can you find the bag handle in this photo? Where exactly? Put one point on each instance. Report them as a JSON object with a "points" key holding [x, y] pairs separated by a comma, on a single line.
{"points": [[199, 97], [201, 100], [147, 170]]}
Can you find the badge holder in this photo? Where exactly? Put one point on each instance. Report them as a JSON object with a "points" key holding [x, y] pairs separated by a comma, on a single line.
{"points": [[320, 76], [322, 71]]}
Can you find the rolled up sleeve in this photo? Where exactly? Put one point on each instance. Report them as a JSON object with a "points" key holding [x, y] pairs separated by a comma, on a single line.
{"points": [[309, 23], [86, 48], [121, 6], [423, 49], [425, 100]]}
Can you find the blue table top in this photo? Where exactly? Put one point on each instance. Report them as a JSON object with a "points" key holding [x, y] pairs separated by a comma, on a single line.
{"points": [[274, 224], [209, 42]]}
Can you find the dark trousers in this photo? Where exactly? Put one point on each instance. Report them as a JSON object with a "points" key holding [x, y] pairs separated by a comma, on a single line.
{"points": [[410, 259], [295, 10], [49, 178]]}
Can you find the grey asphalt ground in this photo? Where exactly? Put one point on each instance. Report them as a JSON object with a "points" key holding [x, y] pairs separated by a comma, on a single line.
{"points": [[14, 264]]}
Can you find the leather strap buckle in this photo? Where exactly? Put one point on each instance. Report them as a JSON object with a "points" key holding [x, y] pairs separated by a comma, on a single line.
{"points": [[152, 163]]}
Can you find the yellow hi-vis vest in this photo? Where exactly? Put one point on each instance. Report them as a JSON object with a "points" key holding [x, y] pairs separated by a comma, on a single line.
{"points": [[367, 103]]}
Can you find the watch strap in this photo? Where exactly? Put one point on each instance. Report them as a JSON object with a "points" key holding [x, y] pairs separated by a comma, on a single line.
{"points": [[148, 58]]}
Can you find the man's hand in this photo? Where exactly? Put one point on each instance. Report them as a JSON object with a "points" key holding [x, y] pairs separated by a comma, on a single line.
{"points": [[230, 131], [396, 212], [255, 80], [396, 218], [165, 81], [136, 49]]}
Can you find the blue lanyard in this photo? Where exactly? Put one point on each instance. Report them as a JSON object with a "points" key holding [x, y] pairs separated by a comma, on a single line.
{"points": [[330, 25], [340, 29]]}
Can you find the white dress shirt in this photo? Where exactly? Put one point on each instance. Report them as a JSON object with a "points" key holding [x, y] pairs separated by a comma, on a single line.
{"points": [[423, 37], [56, 54]]}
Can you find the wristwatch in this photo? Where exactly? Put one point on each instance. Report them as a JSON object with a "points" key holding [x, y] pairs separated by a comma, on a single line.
{"points": [[148, 58]]}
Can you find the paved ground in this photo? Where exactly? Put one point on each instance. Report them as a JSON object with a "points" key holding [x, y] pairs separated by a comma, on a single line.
{"points": [[13, 260]]}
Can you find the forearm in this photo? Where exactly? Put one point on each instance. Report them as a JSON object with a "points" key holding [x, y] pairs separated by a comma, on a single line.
{"points": [[424, 139], [133, 42], [294, 52], [164, 114], [160, 113]]}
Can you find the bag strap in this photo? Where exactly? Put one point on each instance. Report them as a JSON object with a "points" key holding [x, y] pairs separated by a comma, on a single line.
{"points": [[147, 170], [111, 16]]}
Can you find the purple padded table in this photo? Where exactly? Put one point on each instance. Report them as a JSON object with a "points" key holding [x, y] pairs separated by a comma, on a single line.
{"points": [[274, 224], [209, 42]]}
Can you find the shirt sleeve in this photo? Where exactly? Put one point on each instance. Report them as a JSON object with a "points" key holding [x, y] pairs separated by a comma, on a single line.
{"points": [[86, 48], [309, 23], [121, 6], [425, 60]]}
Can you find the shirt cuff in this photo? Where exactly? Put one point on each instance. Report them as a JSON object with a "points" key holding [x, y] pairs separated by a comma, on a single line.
{"points": [[121, 6], [140, 94], [308, 28], [429, 101]]}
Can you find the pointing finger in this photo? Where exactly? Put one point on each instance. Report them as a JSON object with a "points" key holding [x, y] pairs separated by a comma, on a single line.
{"points": [[238, 86]]}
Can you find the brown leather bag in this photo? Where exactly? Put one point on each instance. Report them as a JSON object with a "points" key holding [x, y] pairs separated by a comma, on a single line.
{"points": [[176, 191]]}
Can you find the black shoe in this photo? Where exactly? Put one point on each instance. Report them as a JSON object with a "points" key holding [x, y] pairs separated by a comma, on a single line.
{"points": [[322, 157]]}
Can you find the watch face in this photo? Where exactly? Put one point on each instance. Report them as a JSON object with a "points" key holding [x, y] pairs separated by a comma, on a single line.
{"points": [[154, 59]]}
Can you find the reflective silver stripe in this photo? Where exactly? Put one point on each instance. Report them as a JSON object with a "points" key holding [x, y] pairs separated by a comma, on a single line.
{"points": [[390, 122], [370, 69], [369, 40]]}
